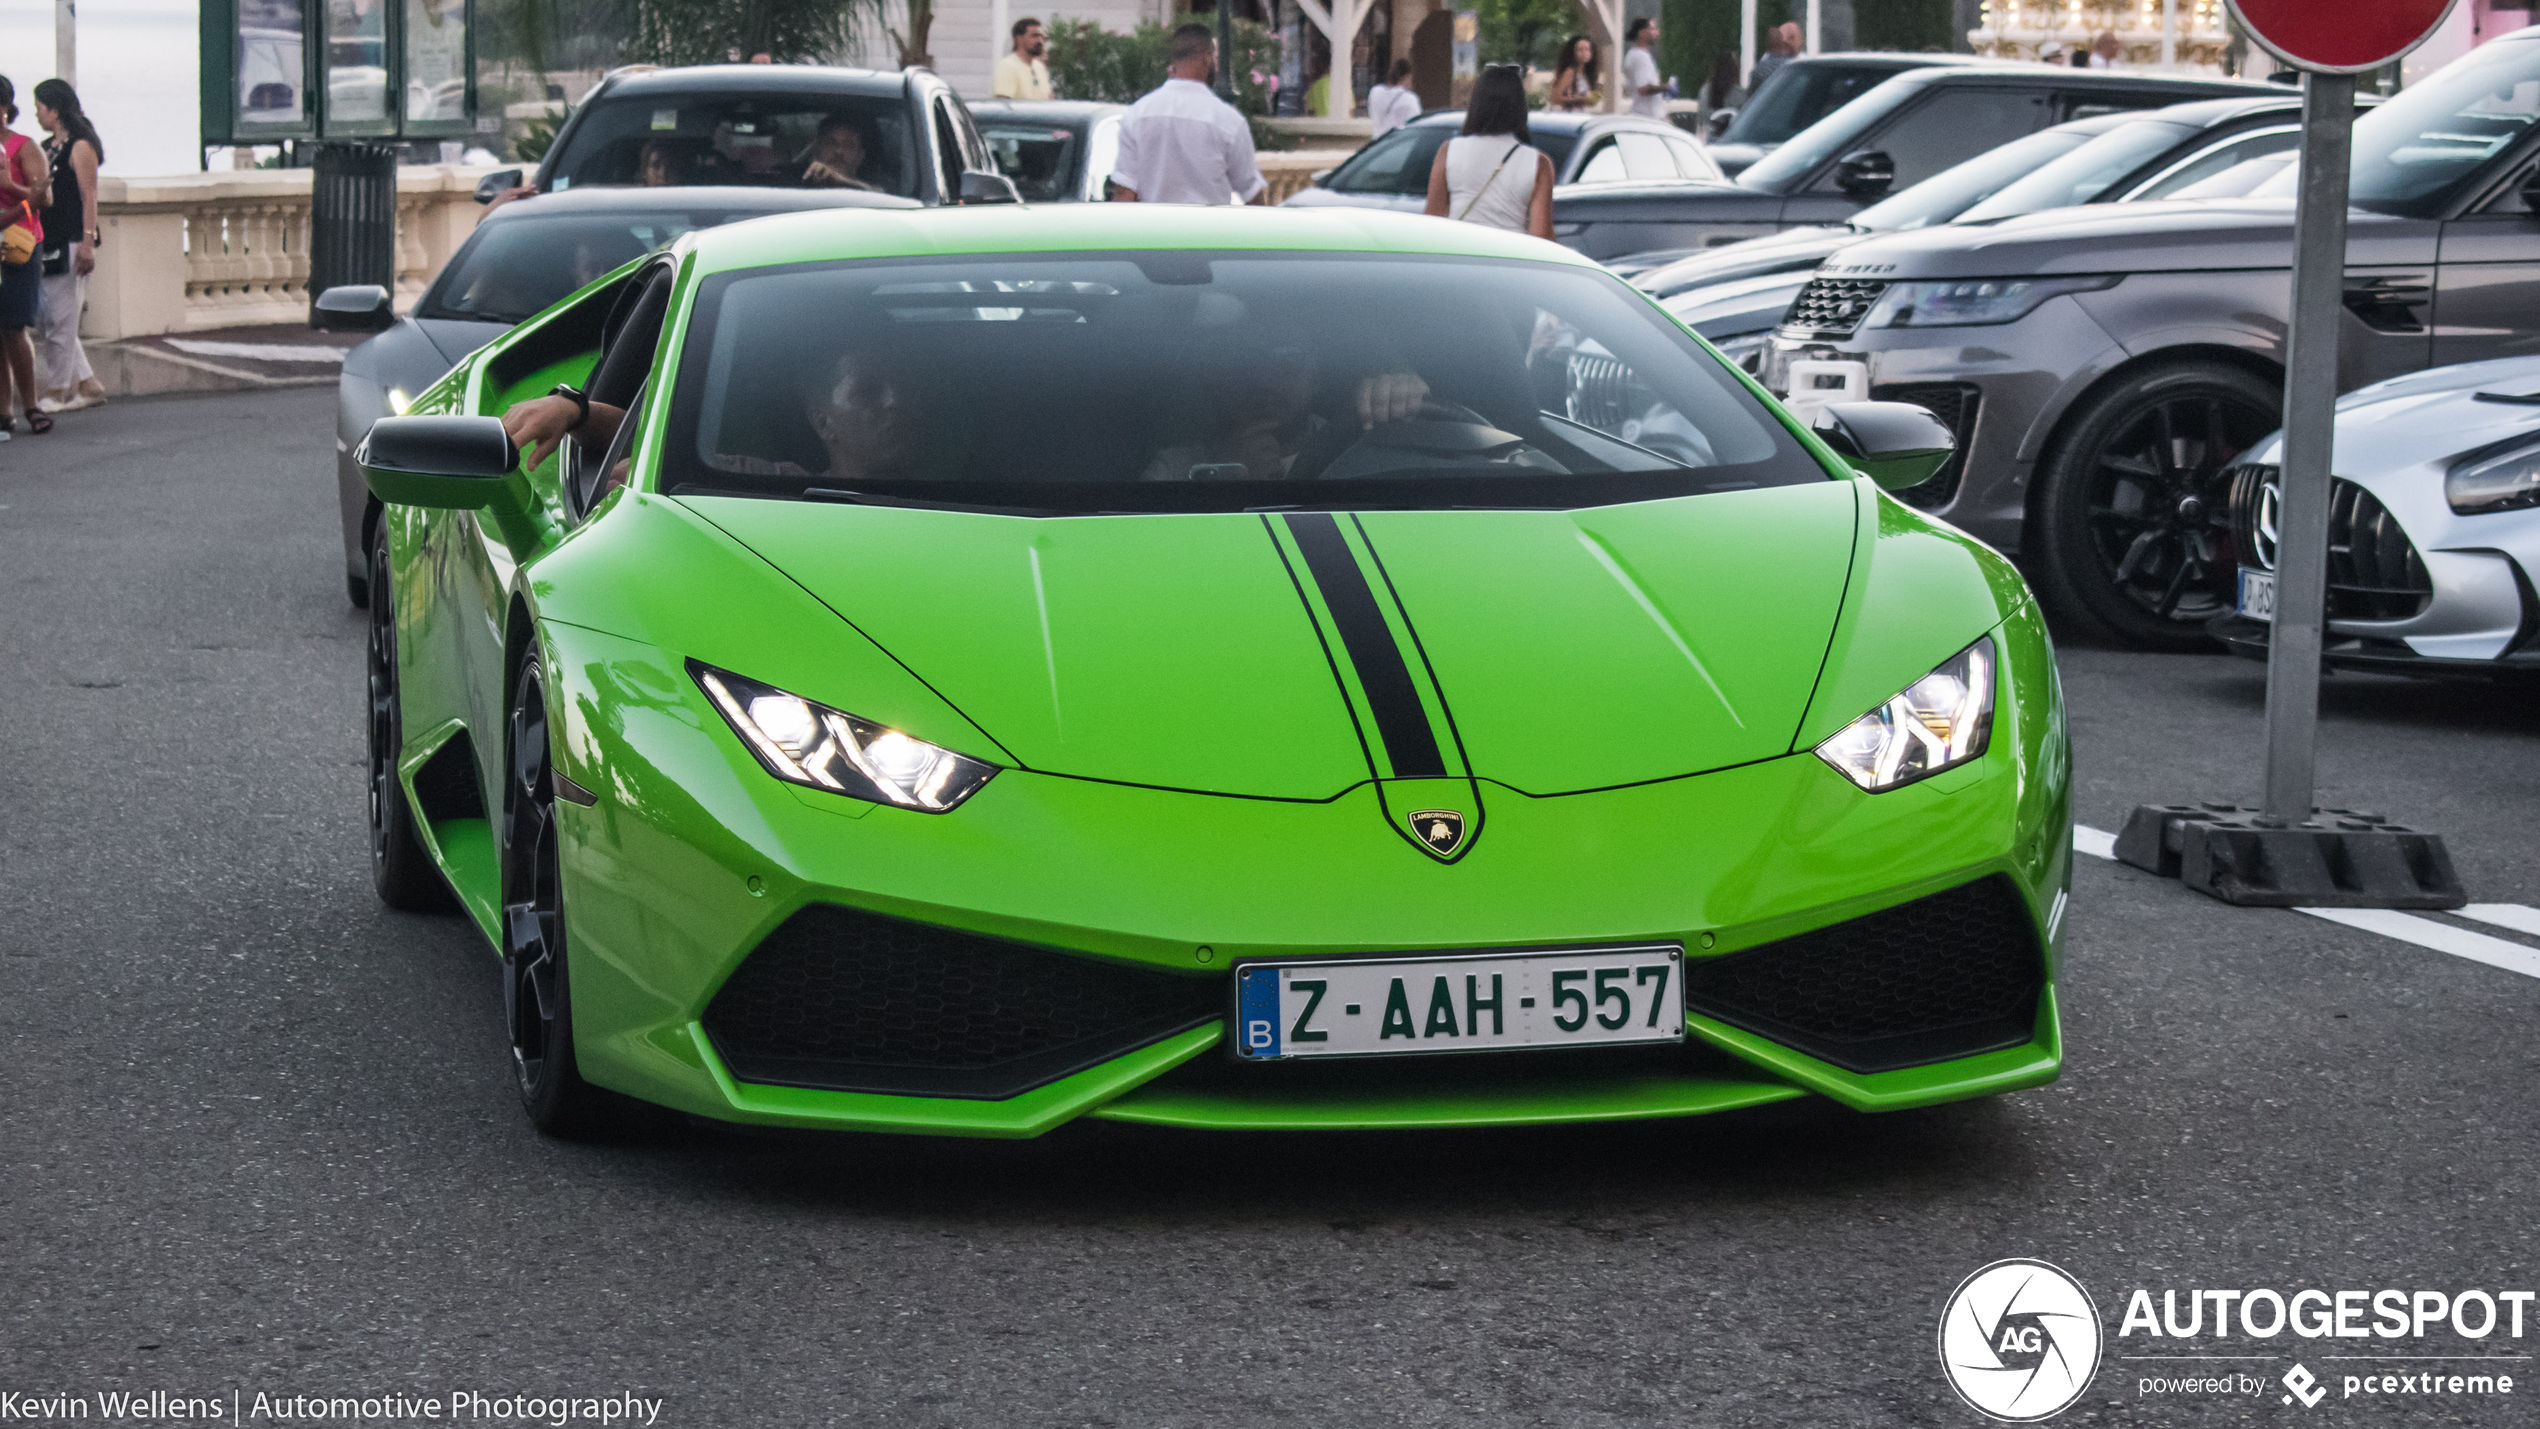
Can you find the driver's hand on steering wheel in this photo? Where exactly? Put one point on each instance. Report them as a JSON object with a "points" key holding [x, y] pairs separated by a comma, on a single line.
{"points": [[1390, 397]]}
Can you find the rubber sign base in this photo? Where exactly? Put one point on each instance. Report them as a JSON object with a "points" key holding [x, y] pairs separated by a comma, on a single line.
{"points": [[2338, 858]]}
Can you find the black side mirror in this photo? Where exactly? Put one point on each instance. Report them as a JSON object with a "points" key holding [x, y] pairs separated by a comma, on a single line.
{"points": [[1896, 444], [1720, 120], [493, 185], [451, 463], [355, 307], [2531, 191], [977, 187], [1865, 175]]}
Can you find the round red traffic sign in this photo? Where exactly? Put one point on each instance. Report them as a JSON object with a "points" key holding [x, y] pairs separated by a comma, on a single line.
{"points": [[2339, 36]]}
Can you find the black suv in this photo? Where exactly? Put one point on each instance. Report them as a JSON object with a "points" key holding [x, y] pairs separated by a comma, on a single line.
{"points": [[1799, 94], [1899, 133]]}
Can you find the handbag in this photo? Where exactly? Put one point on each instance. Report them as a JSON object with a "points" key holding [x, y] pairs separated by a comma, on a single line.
{"points": [[17, 241]]}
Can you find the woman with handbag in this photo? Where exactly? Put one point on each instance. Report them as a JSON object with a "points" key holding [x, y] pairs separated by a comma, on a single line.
{"points": [[26, 188], [1492, 173], [70, 247]]}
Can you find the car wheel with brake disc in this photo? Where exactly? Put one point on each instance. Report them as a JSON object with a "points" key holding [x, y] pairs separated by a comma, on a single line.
{"points": [[537, 991], [399, 868], [2132, 524]]}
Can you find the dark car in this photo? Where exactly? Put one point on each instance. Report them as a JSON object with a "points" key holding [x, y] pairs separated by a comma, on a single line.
{"points": [[1055, 150], [522, 257], [1392, 170], [762, 125], [1900, 133], [1799, 94]]}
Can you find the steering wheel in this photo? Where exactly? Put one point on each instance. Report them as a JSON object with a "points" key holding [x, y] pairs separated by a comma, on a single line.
{"points": [[1440, 428]]}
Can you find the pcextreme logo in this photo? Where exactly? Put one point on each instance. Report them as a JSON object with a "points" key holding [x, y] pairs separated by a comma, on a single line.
{"points": [[2019, 1341]]}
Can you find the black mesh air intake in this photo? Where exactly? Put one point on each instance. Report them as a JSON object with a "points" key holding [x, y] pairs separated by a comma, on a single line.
{"points": [[2374, 571], [853, 1001], [1946, 976], [1832, 307], [1954, 403]]}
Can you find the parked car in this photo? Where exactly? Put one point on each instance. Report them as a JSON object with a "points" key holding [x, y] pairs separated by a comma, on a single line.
{"points": [[1055, 150], [2118, 361], [1736, 295], [758, 125], [1000, 622], [522, 258], [1902, 132], [2433, 528], [1799, 94], [1392, 170]]}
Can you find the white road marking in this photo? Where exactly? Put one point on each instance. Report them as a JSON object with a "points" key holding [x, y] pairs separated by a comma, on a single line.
{"points": [[259, 351], [2406, 927], [2504, 915]]}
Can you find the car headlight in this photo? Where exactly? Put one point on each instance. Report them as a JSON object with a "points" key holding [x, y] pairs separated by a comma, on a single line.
{"points": [[1973, 302], [1746, 349], [1940, 721], [2489, 480], [811, 744]]}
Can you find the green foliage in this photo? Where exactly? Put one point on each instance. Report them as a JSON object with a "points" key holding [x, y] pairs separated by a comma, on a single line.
{"points": [[1904, 25], [1089, 62], [1692, 34], [1527, 32], [537, 136], [687, 32]]}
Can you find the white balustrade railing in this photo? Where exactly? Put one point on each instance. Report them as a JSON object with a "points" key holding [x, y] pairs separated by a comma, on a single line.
{"points": [[231, 249]]}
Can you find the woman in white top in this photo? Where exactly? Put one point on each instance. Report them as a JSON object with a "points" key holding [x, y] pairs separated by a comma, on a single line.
{"points": [[1492, 173], [1393, 103]]}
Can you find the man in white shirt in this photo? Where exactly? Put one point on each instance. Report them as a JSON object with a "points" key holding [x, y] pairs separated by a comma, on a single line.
{"points": [[1640, 71], [1023, 74], [1181, 143], [2104, 53]]}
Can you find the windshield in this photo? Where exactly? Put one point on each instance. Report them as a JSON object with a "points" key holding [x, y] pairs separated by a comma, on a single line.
{"points": [[1399, 162], [766, 141], [514, 267], [1040, 158], [1951, 192], [2085, 173], [2417, 148], [1797, 96], [1785, 167], [1077, 384]]}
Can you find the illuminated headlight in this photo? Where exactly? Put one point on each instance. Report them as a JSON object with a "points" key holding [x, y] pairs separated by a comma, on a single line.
{"points": [[1942, 720], [1973, 302], [398, 401], [813, 745], [2494, 481]]}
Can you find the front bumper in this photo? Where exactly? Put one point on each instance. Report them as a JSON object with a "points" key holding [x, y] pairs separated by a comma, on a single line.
{"points": [[693, 859], [2248, 639]]}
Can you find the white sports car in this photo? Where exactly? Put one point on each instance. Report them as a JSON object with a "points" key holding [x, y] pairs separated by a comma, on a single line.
{"points": [[2433, 532]]}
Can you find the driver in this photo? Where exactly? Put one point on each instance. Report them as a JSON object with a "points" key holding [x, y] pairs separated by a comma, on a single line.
{"points": [[1264, 417], [836, 157]]}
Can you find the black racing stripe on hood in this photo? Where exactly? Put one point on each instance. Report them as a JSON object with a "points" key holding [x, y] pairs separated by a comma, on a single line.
{"points": [[1394, 701]]}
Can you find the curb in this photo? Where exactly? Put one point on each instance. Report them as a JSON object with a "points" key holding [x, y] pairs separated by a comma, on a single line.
{"points": [[129, 369]]}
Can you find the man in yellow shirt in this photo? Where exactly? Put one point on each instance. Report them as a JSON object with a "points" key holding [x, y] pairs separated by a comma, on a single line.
{"points": [[1022, 75]]}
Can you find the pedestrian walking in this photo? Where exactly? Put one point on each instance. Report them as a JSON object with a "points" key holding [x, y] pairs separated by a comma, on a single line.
{"points": [[1491, 173], [70, 248], [1780, 43], [1181, 143], [1024, 74], [1574, 81], [1393, 103], [25, 192], [1640, 70]]}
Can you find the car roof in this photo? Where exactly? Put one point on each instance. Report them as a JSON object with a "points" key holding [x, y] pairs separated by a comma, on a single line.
{"points": [[1552, 121], [737, 80], [1101, 227], [2065, 77], [730, 198], [1879, 59], [1074, 113]]}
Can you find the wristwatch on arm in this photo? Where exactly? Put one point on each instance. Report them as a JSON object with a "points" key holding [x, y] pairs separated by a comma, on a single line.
{"points": [[578, 398]]}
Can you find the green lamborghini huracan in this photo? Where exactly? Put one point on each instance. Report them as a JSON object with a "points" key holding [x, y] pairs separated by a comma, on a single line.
{"points": [[973, 669]]}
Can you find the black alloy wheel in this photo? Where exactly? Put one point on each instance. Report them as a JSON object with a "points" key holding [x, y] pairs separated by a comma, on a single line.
{"points": [[537, 994], [2134, 508], [399, 868]]}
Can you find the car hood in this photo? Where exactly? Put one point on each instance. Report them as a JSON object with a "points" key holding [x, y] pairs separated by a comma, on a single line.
{"points": [[1773, 253], [2407, 421], [1550, 651], [2124, 238]]}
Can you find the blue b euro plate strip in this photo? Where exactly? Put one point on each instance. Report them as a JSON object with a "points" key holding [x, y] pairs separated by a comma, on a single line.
{"points": [[1257, 1010]]}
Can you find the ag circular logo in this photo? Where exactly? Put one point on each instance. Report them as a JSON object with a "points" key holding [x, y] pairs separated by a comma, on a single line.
{"points": [[2019, 1340]]}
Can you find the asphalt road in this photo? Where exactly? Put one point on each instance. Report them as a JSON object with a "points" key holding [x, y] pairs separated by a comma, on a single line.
{"points": [[258, 1132]]}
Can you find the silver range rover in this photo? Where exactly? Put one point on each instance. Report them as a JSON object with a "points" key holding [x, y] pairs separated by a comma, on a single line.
{"points": [[2105, 368]]}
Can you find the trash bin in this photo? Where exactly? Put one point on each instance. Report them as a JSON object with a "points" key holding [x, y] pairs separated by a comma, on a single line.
{"points": [[352, 219]]}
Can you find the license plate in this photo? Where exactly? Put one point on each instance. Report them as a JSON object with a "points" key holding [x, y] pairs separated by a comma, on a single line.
{"points": [[2257, 594], [1375, 1007]]}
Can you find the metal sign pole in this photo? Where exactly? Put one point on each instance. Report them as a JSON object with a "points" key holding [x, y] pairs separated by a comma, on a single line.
{"points": [[2310, 415]]}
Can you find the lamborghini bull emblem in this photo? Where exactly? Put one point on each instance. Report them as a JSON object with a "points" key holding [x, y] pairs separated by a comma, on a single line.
{"points": [[1440, 830]]}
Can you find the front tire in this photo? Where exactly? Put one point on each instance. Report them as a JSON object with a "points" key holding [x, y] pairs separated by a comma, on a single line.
{"points": [[400, 870], [537, 986], [2133, 510]]}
